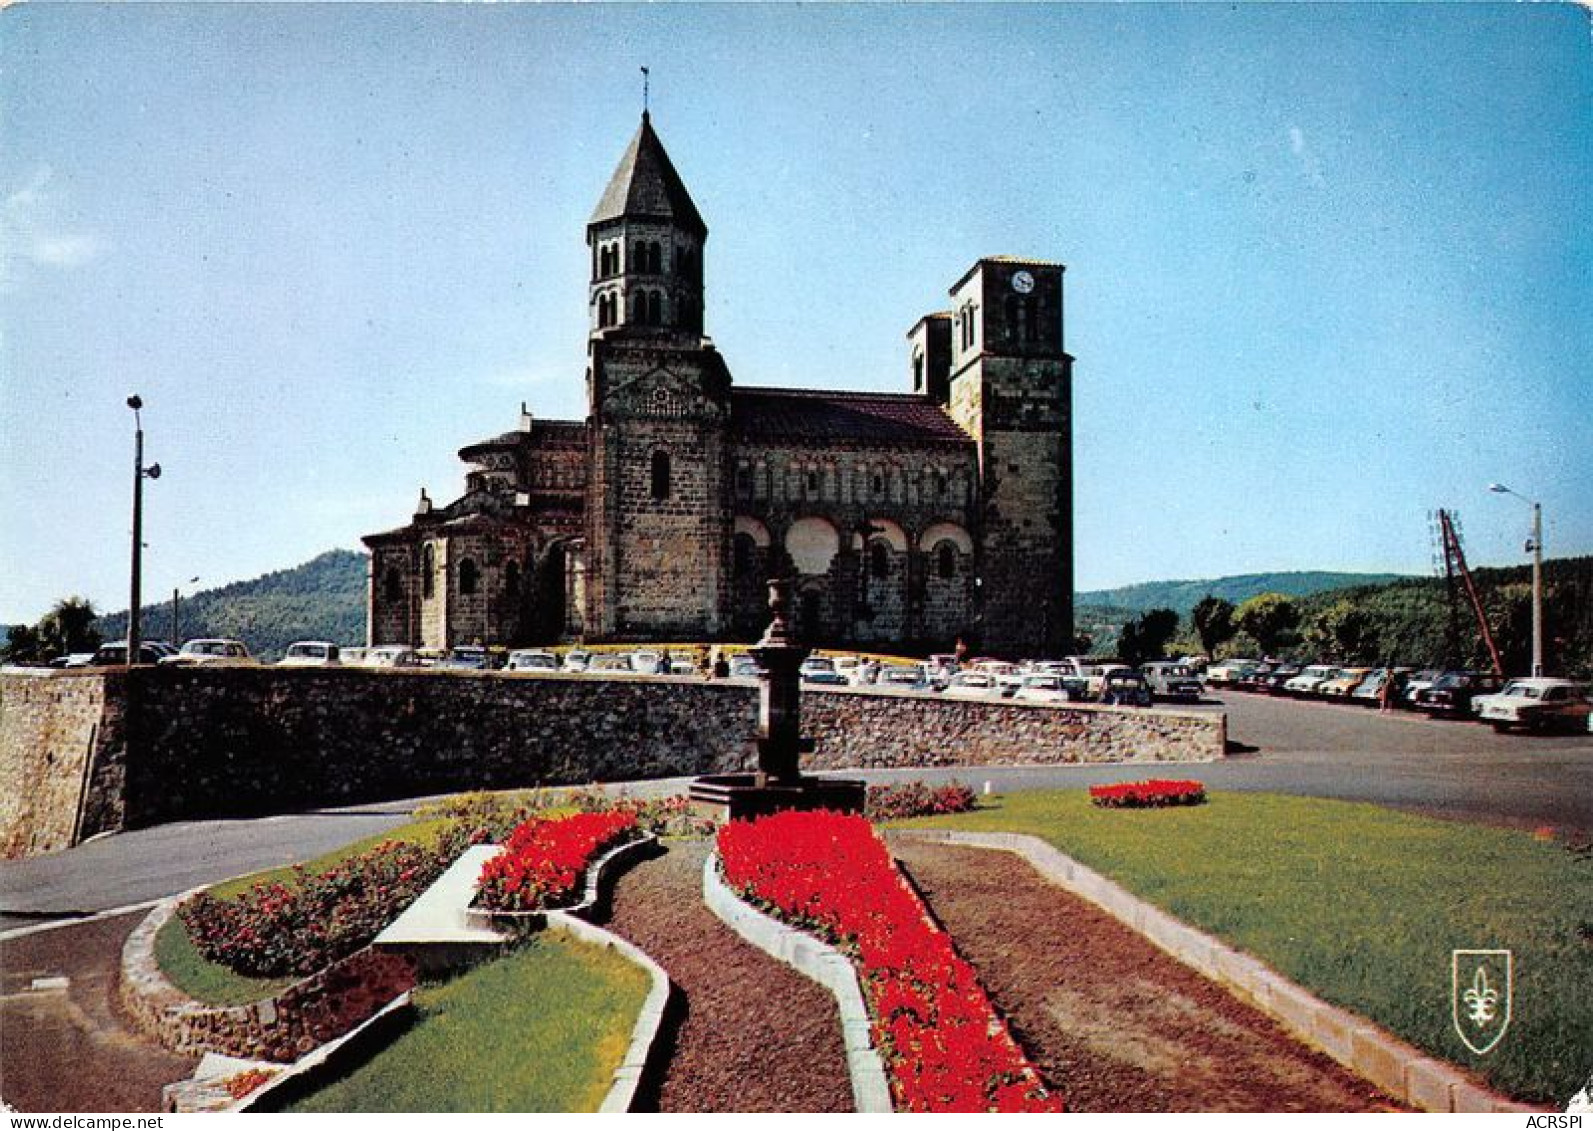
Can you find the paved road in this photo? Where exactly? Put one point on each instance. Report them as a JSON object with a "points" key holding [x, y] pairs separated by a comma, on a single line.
{"points": [[1320, 750]]}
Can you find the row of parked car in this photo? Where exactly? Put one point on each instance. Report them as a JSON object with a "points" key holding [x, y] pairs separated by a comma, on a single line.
{"points": [[1534, 703], [1072, 680]]}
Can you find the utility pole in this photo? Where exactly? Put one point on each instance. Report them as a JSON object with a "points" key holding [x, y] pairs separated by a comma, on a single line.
{"points": [[1535, 544], [134, 640]]}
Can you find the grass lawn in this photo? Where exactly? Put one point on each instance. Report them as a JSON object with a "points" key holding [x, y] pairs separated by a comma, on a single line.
{"points": [[1362, 905], [214, 983], [541, 1029]]}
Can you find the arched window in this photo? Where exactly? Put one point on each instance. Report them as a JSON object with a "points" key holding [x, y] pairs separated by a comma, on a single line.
{"points": [[638, 309], [639, 257], [605, 262], [469, 575], [744, 482], [428, 571], [946, 560], [655, 307], [660, 475], [879, 484], [1031, 318], [393, 584], [745, 549], [655, 258], [879, 559], [813, 483], [940, 482], [511, 579]]}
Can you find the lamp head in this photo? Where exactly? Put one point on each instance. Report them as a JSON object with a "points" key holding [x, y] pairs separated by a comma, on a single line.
{"points": [[1500, 489], [135, 402], [153, 471]]}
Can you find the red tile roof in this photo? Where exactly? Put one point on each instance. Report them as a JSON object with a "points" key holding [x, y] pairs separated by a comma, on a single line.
{"points": [[807, 415]]}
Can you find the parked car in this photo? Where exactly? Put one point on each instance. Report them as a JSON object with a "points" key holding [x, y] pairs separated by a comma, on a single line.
{"points": [[352, 656], [1417, 683], [1227, 672], [743, 666], [114, 654], [74, 660], [1370, 690], [1277, 679], [391, 656], [211, 651], [1343, 682], [531, 660], [848, 666], [1172, 681], [648, 661], [465, 658], [1451, 693], [577, 660], [1536, 704], [611, 663], [1048, 687], [973, 685], [826, 679], [1311, 677], [1099, 674], [1125, 687], [311, 654], [902, 677], [814, 665]]}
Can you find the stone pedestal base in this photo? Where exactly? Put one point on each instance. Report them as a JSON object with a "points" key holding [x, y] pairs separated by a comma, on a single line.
{"points": [[733, 797]]}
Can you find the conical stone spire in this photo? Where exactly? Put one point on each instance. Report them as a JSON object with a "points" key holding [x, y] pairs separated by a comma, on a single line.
{"points": [[646, 186]]}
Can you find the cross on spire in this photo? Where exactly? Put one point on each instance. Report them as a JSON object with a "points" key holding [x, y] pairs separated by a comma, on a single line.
{"points": [[646, 74]]}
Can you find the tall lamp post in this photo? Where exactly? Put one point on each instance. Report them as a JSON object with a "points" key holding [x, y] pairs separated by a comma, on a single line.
{"points": [[135, 402], [1535, 544]]}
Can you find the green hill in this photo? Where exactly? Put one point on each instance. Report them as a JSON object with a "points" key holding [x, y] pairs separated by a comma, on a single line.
{"points": [[1182, 596], [323, 599]]}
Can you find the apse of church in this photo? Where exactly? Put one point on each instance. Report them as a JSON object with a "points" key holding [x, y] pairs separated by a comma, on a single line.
{"points": [[911, 519]]}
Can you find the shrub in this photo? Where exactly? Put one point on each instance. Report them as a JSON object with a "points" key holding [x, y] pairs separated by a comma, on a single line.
{"points": [[276, 929], [942, 1041], [545, 858], [1156, 793], [915, 799]]}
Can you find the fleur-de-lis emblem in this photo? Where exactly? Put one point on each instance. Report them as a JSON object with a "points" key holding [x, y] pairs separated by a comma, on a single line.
{"points": [[1480, 1004], [1481, 1000]]}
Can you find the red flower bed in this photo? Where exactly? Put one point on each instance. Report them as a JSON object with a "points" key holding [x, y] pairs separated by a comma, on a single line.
{"points": [[915, 799], [944, 1045], [545, 858], [1156, 793]]}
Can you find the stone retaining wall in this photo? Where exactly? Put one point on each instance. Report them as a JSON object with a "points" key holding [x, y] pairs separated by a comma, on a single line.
{"points": [[91, 751], [282, 1028]]}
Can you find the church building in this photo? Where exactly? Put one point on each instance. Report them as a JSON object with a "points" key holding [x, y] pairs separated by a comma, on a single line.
{"points": [[905, 519]]}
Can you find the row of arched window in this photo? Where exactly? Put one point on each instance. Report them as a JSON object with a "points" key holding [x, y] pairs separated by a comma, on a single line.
{"points": [[863, 484], [967, 325], [646, 258], [644, 308], [943, 557], [467, 577]]}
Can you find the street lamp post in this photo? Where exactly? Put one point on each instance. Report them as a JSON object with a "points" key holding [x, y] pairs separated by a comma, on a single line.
{"points": [[1536, 546], [135, 402]]}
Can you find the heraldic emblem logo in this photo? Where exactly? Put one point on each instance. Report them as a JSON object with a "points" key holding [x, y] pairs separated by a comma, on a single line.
{"points": [[1480, 1002]]}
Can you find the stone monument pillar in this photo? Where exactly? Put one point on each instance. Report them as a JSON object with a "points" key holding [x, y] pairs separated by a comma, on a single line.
{"points": [[778, 782]]}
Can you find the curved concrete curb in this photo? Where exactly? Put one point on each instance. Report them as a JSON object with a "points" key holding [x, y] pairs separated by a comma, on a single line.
{"points": [[1401, 1070], [318, 1058], [825, 965], [644, 1034]]}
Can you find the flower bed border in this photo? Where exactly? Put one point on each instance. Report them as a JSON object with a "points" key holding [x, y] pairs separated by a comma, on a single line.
{"points": [[819, 961], [597, 871], [1400, 1069]]}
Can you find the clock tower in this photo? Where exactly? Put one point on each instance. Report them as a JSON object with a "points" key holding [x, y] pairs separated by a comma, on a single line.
{"points": [[1011, 390]]}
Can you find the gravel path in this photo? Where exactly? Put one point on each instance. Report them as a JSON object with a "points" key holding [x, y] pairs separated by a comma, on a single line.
{"points": [[70, 1050], [755, 1035], [1114, 1023]]}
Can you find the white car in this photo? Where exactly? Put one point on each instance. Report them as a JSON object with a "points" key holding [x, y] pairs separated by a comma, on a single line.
{"points": [[1310, 678], [648, 662], [531, 660], [391, 656], [211, 651], [1230, 671], [902, 677], [1536, 704], [577, 660], [973, 685], [311, 654], [1045, 687]]}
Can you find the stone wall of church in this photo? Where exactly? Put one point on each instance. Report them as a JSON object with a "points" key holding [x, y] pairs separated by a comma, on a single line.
{"points": [[861, 527]]}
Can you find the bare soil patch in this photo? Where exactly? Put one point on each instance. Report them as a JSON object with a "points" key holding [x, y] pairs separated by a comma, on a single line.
{"points": [[1114, 1023], [751, 1034]]}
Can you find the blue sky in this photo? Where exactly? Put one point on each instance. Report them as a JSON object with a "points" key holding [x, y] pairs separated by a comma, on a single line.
{"points": [[1329, 266]]}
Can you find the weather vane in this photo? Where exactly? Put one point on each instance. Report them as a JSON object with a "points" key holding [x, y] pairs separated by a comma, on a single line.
{"points": [[645, 76]]}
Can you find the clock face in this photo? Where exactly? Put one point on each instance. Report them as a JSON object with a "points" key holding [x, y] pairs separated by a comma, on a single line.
{"points": [[1023, 282]]}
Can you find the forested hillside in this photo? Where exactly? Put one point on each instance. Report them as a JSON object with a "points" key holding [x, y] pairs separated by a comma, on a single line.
{"points": [[1181, 596], [323, 599]]}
